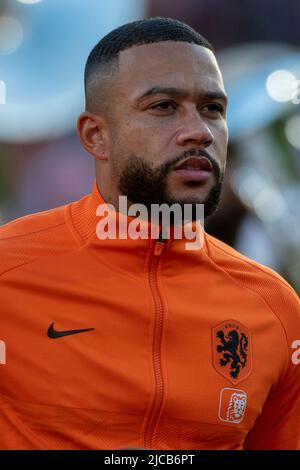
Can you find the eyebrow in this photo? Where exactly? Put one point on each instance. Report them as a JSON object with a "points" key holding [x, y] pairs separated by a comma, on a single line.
{"points": [[181, 93]]}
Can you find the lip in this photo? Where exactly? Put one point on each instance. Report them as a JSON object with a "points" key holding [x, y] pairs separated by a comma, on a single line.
{"points": [[198, 169], [200, 176], [195, 164]]}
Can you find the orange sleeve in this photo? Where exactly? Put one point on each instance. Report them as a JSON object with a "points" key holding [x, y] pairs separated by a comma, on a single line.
{"points": [[278, 425]]}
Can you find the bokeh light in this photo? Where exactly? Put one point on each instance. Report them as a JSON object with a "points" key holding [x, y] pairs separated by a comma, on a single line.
{"points": [[282, 85], [292, 131], [29, 1], [11, 35]]}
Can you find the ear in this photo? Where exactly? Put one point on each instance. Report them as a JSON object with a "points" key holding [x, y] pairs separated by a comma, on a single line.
{"points": [[93, 134]]}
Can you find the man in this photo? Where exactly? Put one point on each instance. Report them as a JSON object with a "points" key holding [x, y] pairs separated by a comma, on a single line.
{"points": [[113, 341]]}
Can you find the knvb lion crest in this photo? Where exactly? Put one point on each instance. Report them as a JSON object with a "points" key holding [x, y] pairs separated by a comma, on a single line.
{"points": [[232, 350], [232, 405]]}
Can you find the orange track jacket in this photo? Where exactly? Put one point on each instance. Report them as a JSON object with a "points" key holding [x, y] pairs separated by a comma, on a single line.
{"points": [[184, 349]]}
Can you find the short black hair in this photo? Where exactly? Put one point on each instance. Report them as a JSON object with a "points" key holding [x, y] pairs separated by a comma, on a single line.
{"points": [[151, 30]]}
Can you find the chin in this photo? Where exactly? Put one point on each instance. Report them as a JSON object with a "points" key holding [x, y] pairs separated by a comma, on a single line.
{"points": [[192, 198]]}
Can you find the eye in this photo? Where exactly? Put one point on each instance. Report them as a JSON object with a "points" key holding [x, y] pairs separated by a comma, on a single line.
{"points": [[214, 108], [164, 106]]}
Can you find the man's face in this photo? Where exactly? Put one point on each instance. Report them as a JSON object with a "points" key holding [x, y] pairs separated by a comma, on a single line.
{"points": [[169, 133]]}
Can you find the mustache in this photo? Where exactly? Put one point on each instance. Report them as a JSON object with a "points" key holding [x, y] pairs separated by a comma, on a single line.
{"points": [[170, 164]]}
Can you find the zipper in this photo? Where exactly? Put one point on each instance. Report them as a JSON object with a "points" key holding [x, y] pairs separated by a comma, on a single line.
{"points": [[159, 314]]}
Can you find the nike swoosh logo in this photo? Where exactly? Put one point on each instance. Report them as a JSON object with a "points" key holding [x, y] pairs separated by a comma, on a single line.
{"points": [[52, 333]]}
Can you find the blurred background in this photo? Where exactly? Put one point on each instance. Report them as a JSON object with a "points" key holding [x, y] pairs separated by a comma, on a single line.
{"points": [[43, 48]]}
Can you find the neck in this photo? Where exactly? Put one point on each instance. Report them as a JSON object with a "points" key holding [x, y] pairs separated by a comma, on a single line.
{"points": [[106, 184]]}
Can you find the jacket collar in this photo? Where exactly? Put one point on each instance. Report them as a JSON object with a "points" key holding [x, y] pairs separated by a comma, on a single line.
{"points": [[88, 223]]}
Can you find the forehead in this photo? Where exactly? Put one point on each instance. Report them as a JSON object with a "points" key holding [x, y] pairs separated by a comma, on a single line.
{"points": [[169, 63]]}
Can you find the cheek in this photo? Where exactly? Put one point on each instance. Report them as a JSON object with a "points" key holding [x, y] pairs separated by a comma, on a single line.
{"points": [[148, 139], [149, 125], [221, 142]]}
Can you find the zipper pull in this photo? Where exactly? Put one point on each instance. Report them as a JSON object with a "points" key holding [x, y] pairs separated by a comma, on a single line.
{"points": [[160, 243]]}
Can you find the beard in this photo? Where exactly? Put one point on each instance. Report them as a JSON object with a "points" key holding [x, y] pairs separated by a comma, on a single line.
{"points": [[144, 185]]}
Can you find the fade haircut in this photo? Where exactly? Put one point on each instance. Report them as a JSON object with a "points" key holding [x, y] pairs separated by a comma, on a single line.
{"points": [[103, 60]]}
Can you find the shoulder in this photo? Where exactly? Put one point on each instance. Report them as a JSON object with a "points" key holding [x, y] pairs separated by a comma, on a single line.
{"points": [[33, 236], [269, 285], [241, 267]]}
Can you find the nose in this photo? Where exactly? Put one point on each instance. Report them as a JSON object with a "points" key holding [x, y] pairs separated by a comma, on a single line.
{"points": [[195, 130]]}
